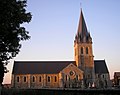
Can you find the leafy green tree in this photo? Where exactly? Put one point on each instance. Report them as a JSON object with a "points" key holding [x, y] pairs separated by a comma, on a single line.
{"points": [[12, 15]]}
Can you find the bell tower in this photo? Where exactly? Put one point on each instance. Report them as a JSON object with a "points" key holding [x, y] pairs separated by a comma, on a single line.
{"points": [[83, 53]]}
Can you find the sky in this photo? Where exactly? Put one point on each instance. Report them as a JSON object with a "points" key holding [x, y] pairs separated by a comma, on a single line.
{"points": [[54, 25]]}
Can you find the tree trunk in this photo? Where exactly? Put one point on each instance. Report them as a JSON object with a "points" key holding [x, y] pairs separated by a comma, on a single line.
{"points": [[1, 72]]}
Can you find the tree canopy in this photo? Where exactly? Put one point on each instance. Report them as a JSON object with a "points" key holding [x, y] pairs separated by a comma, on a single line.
{"points": [[12, 15]]}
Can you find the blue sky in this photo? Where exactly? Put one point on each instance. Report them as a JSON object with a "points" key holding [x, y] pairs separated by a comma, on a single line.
{"points": [[54, 25]]}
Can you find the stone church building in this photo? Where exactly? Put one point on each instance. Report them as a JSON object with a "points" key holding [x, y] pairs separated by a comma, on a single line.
{"points": [[84, 72]]}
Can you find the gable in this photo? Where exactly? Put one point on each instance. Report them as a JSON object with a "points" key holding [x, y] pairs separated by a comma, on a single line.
{"points": [[39, 67], [72, 67], [100, 67]]}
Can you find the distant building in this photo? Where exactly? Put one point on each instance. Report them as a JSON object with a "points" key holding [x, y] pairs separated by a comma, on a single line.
{"points": [[84, 72], [117, 78]]}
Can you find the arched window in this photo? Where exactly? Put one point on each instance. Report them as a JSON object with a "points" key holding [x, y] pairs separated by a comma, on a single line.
{"points": [[55, 79], [103, 76], [77, 77], [81, 50], [48, 79], [40, 79], [66, 77], [33, 79], [86, 50], [25, 79], [18, 79]]}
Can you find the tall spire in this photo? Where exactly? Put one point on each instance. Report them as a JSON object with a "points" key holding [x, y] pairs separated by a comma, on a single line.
{"points": [[82, 32], [82, 28]]}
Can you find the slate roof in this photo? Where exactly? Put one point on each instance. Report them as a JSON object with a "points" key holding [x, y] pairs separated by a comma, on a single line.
{"points": [[51, 67], [82, 28], [100, 67], [39, 67]]}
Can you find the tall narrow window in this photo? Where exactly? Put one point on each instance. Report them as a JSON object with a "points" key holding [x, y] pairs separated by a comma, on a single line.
{"points": [[33, 79], [86, 50], [77, 77], [48, 78], [66, 77], [25, 79], [55, 79], [40, 79], [81, 50], [103, 76], [18, 79]]}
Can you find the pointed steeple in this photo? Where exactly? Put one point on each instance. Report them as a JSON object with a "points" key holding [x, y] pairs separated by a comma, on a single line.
{"points": [[82, 28], [83, 52], [82, 33]]}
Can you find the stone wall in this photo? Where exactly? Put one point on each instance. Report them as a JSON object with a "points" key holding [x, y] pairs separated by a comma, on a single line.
{"points": [[102, 80], [35, 81], [72, 76]]}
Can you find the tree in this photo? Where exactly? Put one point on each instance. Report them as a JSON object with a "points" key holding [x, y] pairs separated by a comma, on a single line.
{"points": [[12, 15]]}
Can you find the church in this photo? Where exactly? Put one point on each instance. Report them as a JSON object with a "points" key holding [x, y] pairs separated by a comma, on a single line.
{"points": [[84, 72]]}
